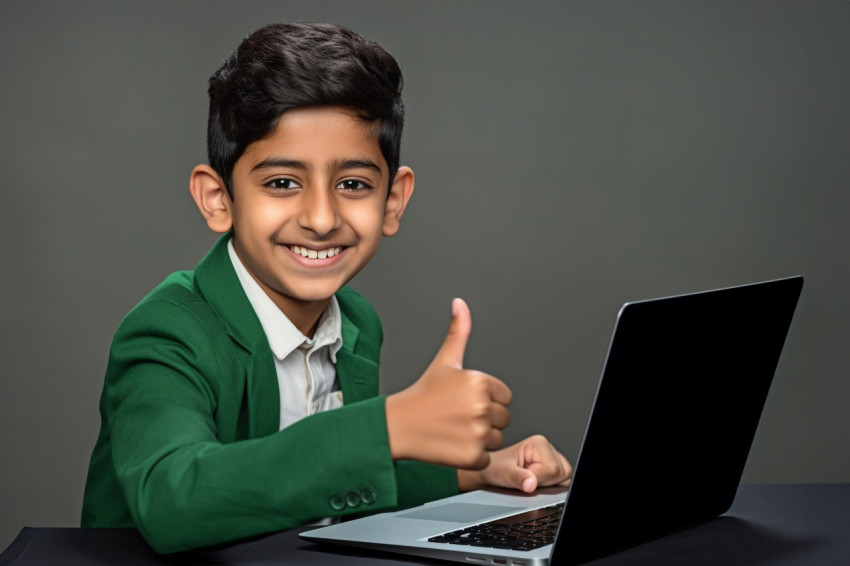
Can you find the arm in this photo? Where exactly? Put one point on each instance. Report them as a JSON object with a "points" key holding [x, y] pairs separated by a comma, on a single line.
{"points": [[184, 487]]}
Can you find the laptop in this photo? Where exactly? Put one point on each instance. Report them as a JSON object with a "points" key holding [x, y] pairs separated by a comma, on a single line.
{"points": [[683, 386]]}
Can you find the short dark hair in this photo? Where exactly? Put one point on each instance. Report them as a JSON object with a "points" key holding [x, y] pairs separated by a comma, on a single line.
{"points": [[284, 66]]}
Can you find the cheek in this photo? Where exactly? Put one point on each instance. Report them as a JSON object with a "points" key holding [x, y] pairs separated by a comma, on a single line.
{"points": [[262, 219], [367, 219], [271, 215]]}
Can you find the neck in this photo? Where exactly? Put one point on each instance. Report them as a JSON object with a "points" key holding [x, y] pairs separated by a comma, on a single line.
{"points": [[304, 315]]}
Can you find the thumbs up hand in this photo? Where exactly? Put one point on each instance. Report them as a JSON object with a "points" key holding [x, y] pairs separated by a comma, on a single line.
{"points": [[451, 415]]}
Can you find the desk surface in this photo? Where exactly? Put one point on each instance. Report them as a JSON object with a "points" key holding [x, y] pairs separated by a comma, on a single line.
{"points": [[772, 525]]}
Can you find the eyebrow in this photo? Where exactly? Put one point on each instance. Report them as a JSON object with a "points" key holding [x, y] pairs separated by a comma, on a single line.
{"points": [[270, 162], [338, 165], [344, 164]]}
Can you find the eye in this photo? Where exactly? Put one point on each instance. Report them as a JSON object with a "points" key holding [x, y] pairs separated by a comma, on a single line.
{"points": [[353, 186], [283, 184]]}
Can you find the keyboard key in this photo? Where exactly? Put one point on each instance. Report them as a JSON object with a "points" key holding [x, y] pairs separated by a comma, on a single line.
{"points": [[524, 531]]}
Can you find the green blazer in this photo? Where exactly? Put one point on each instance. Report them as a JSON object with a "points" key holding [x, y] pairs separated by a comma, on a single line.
{"points": [[189, 450]]}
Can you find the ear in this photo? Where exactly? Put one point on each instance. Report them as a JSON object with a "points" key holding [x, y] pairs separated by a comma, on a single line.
{"points": [[211, 197], [400, 192]]}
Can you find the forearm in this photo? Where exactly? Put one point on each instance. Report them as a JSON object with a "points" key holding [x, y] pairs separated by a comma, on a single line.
{"points": [[330, 464], [190, 492]]}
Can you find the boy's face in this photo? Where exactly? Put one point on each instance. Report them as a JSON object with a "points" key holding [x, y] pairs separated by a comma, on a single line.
{"points": [[310, 206]]}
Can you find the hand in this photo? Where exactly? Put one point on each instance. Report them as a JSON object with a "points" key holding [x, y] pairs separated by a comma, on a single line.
{"points": [[526, 465], [450, 416]]}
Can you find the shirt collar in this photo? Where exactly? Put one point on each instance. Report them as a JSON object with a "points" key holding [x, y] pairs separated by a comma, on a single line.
{"points": [[282, 335]]}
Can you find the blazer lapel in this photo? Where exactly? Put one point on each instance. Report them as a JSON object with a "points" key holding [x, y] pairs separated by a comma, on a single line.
{"points": [[218, 283], [263, 393], [358, 376]]}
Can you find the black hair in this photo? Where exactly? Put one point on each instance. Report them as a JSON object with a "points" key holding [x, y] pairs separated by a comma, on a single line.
{"points": [[284, 66]]}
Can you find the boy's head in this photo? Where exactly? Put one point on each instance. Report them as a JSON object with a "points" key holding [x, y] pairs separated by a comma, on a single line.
{"points": [[285, 66], [304, 133]]}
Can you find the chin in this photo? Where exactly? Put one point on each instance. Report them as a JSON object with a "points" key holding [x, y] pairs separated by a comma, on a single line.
{"points": [[314, 295]]}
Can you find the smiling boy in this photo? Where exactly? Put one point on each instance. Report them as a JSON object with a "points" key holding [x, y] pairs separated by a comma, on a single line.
{"points": [[241, 398], [300, 241]]}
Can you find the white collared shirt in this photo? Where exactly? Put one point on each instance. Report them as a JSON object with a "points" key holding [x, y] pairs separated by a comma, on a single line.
{"points": [[306, 375]]}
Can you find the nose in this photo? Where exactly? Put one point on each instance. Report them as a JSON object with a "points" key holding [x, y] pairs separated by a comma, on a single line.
{"points": [[319, 211]]}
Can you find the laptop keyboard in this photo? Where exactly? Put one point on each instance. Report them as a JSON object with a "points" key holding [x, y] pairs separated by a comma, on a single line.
{"points": [[523, 531]]}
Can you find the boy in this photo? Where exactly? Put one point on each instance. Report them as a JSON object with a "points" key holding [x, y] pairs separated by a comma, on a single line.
{"points": [[242, 398]]}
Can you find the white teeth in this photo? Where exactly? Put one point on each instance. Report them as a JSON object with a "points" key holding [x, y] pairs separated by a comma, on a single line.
{"points": [[315, 254]]}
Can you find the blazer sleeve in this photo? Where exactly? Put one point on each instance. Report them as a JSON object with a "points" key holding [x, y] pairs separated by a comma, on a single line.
{"points": [[186, 489]]}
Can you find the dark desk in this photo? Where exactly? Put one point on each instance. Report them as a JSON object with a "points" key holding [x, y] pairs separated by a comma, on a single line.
{"points": [[768, 525]]}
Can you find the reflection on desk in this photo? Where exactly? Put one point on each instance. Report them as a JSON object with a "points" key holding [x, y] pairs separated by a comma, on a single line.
{"points": [[774, 525]]}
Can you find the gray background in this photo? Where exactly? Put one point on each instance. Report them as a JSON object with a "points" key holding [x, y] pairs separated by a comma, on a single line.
{"points": [[569, 157]]}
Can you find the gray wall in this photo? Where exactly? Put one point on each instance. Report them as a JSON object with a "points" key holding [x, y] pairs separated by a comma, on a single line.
{"points": [[569, 157]]}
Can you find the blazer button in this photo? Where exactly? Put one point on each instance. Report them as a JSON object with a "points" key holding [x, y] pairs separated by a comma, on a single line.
{"points": [[337, 502], [368, 495], [352, 499]]}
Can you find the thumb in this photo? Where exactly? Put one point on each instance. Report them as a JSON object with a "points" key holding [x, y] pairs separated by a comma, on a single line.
{"points": [[454, 346], [524, 479]]}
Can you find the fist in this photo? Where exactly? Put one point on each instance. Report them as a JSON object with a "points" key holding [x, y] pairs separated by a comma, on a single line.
{"points": [[451, 415]]}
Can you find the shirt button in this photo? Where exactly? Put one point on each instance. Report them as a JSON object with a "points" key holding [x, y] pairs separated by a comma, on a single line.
{"points": [[368, 495], [352, 499], [337, 502]]}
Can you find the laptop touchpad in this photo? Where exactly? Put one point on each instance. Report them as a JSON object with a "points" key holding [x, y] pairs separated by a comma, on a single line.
{"points": [[457, 512]]}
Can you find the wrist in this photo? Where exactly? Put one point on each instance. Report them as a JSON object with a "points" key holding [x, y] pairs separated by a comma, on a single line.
{"points": [[470, 480], [397, 429]]}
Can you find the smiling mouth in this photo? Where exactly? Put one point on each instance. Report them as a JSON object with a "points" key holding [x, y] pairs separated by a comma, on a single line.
{"points": [[316, 254]]}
